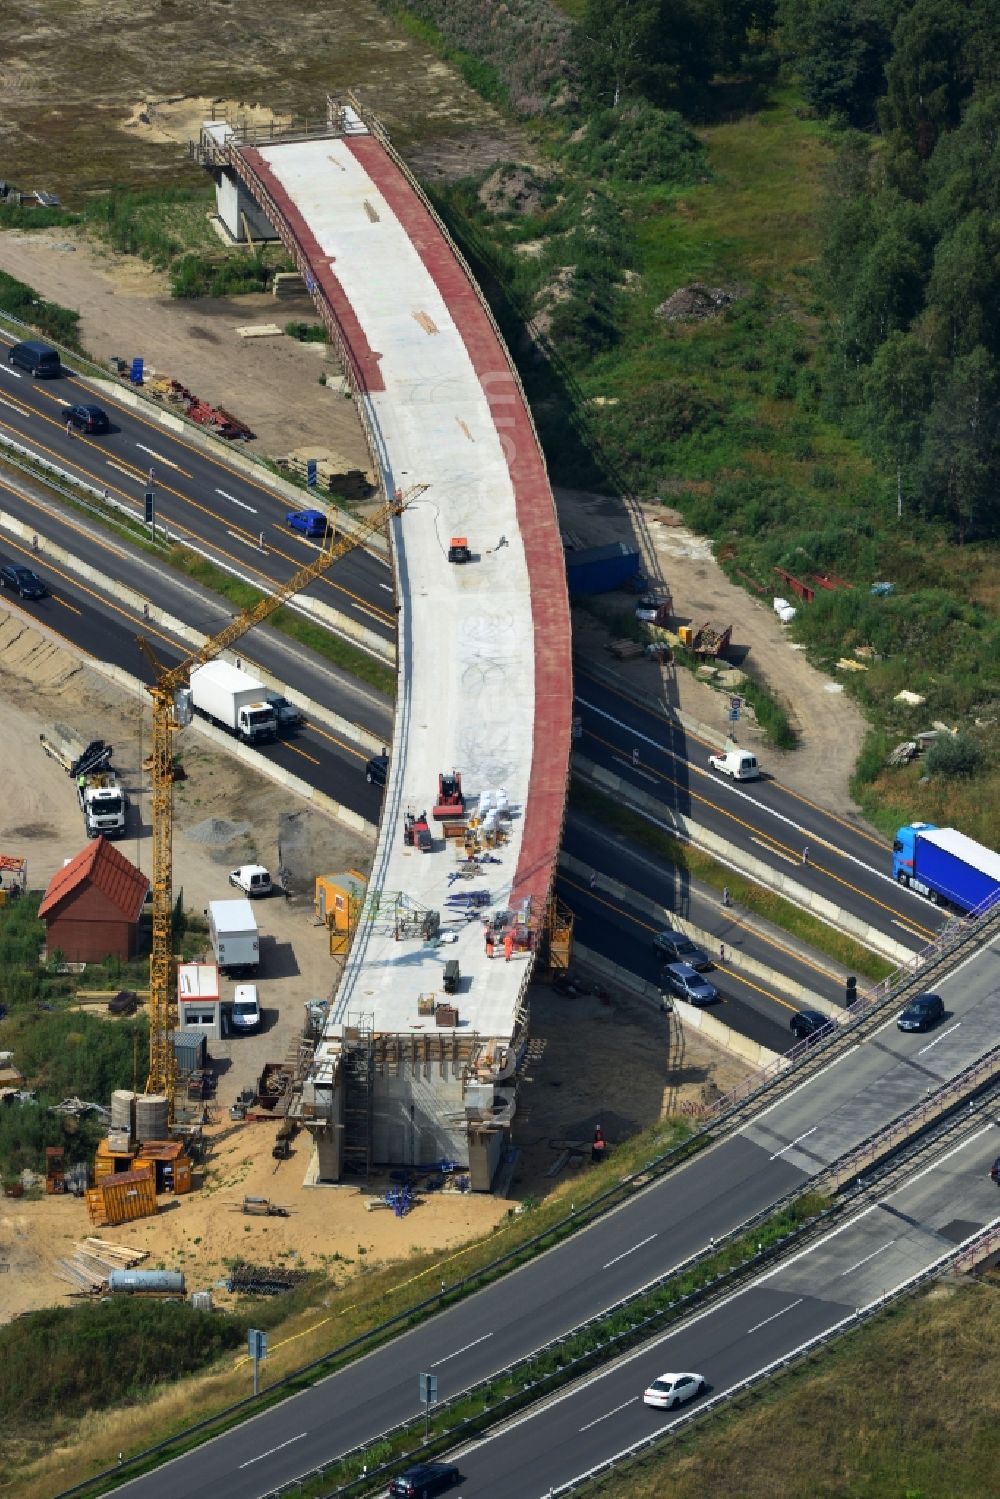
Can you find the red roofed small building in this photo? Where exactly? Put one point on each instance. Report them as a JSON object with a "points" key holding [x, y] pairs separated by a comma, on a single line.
{"points": [[93, 904]]}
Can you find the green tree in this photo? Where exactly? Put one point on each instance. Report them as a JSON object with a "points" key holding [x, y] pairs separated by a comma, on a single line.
{"points": [[842, 70], [615, 47], [898, 389], [929, 75], [963, 285], [960, 459]]}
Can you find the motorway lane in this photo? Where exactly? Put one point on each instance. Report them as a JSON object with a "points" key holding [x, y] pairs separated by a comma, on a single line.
{"points": [[119, 561], [214, 508], [883, 1247], [106, 629], [673, 889], [845, 863], [773, 1154], [620, 933]]}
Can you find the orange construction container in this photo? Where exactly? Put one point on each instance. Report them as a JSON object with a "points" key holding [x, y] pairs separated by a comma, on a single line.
{"points": [[107, 1162], [169, 1167], [122, 1197]]}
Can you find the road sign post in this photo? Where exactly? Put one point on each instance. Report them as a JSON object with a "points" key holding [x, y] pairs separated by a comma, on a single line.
{"points": [[428, 1387], [257, 1348]]}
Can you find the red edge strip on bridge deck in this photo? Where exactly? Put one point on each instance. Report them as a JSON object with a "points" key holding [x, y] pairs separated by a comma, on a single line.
{"points": [[536, 518], [366, 360], [536, 515]]}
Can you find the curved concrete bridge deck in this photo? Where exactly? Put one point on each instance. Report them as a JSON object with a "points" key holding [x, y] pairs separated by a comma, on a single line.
{"points": [[484, 649]]}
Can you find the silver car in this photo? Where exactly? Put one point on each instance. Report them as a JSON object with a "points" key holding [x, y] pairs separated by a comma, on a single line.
{"points": [[681, 979]]}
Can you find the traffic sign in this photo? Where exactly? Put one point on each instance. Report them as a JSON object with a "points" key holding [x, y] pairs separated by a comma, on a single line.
{"points": [[311, 473]]}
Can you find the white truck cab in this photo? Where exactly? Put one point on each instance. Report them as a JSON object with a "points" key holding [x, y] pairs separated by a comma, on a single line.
{"points": [[739, 764]]}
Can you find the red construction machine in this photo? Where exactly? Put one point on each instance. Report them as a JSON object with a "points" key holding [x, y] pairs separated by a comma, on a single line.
{"points": [[416, 833], [450, 801]]}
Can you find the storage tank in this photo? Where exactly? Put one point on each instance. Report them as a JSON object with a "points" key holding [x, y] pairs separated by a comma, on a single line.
{"points": [[148, 1282], [123, 1111], [152, 1114]]}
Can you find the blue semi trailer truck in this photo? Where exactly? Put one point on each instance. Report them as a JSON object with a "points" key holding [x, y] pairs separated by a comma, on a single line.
{"points": [[945, 865]]}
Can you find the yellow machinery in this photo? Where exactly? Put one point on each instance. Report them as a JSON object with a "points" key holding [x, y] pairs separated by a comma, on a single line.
{"points": [[166, 694]]}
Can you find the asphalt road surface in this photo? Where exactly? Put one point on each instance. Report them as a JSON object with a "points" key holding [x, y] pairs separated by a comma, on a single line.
{"points": [[623, 932], [884, 1247], [764, 819], [216, 509], [98, 623], [832, 1111]]}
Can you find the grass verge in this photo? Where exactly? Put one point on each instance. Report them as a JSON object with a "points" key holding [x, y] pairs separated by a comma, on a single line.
{"points": [[745, 893], [879, 1390], [339, 1314], [350, 658], [597, 1343]]}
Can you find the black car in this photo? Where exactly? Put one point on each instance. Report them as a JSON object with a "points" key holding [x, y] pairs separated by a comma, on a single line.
{"points": [[677, 948], [921, 1013], [377, 770], [808, 1025], [23, 581], [425, 1479], [87, 418]]}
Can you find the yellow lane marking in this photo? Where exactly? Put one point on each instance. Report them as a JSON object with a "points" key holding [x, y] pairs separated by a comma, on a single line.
{"points": [[649, 927], [363, 605], [754, 835], [778, 785]]}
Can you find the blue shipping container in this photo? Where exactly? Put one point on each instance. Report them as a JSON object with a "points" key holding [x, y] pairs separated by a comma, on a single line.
{"points": [[601, 569]]}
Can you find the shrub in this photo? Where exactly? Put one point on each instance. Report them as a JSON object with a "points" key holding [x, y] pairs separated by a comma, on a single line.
{"points": [[57, 322], [953, 755], [307, 333], [640, 144], [68, 1361]]}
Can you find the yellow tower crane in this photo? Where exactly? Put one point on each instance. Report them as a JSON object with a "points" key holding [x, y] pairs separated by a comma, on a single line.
{"points": [[168, 697]]}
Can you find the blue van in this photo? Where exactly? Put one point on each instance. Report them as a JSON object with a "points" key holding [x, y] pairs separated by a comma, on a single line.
{"points": [[37, 358]]}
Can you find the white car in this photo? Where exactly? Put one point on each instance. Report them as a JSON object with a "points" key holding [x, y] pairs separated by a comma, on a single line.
{"points": [[252, 879], [246, 1009], [670, 1390]]}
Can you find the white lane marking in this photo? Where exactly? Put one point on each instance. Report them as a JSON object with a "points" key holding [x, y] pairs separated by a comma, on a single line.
{"points": [[14, 374], [627, 1252], [792, 1143], [608, 1414], [931, 1044], [386, 587], [464, 1349], [158, 456], [857, 1266], [775, 1315], [129, 473], [260, 1456], [233, 500], [732, 789]]}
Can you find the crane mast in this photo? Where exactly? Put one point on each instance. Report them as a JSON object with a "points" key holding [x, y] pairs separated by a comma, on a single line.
{"points": [[167, 694]]}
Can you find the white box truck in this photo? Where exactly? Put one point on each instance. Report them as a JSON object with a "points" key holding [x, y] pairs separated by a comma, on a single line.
{"points": [[234, 700], [232, 928]]}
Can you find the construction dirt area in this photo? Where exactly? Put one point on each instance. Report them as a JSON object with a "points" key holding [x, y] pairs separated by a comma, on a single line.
{"points": [[593, 1059]]}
